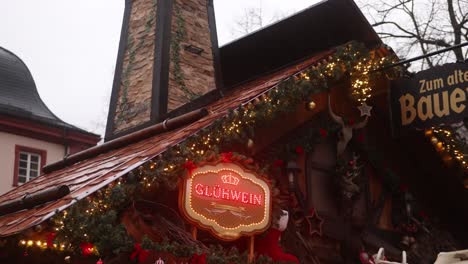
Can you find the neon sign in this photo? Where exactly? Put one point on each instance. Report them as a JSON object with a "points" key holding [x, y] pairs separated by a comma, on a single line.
{"points": [[227, 200]]}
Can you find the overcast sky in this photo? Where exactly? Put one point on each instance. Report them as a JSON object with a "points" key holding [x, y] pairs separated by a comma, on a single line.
{"points": [[70, 47]]}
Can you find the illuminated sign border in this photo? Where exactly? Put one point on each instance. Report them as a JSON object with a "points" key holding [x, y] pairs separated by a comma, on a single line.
{"points": [[225, 233]]}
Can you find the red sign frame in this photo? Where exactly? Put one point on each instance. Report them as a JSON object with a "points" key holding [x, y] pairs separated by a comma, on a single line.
{"points": [[227, 200]]}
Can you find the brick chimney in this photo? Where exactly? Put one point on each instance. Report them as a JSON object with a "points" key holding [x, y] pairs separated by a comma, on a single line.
{"points": [[168, 57]]}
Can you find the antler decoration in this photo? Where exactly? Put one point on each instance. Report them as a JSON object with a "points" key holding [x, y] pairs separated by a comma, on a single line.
{"points": [[380, 258], [346, 132]]}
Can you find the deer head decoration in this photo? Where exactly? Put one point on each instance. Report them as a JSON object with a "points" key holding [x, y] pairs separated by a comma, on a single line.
{"points": [[346, 132]]}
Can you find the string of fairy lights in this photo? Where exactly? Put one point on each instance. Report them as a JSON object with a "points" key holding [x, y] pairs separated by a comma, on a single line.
{"points": [[43, 244], [238, 125], [445, 142]]}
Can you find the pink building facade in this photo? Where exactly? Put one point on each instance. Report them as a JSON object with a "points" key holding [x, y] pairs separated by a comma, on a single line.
{"points": [[31, 136]]}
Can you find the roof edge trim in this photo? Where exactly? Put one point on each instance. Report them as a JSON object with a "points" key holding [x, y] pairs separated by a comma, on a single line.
{"points": [[166, 125]]}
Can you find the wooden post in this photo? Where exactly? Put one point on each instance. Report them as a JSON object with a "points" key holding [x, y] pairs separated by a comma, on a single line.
{"points": [[194, 232], [251, 249]]}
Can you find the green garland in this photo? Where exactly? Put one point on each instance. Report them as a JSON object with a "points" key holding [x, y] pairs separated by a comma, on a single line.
{"points": [[98, 215], [239, 124], [97, 221], [214, 255]]}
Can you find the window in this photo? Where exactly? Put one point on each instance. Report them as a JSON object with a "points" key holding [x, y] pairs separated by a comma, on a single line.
{"points": [[28, 167], [28, 164]]}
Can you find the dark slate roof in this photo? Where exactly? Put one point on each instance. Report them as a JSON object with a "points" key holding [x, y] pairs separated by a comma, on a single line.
{"points": [[329, 23], [19, 96]]}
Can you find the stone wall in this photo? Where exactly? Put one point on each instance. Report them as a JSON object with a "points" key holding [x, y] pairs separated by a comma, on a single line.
{"points": [[191, 75], [134, 99]]}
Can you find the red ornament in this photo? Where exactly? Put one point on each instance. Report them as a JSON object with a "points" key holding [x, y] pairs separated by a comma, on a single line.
{"points": [[278, 163], [190, 166], [299, 150], [323, 132], [226, 157], [86, 248], [139, 252], [365, 259], [50, 239], [100, 261], [198, 259]]}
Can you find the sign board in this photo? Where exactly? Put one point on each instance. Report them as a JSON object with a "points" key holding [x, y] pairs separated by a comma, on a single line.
{"points": [[430, 98], [227, 200]]}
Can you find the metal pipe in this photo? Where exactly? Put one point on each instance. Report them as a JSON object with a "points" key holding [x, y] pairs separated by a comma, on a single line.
{"points": [[29, 201], [164, 126], [422, 56]]}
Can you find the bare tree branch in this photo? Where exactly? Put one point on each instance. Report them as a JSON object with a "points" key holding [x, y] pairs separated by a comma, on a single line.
{"points": [[386, 34], [456, 30], [393, 7], [422, 24], [436, 42], [394, 24]]}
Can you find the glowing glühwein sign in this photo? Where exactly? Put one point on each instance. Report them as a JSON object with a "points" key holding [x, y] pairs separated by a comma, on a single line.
{"points": [[227, 200]]}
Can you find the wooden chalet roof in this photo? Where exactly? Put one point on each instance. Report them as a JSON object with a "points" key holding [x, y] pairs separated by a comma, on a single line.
{"points": [[87, 176]]}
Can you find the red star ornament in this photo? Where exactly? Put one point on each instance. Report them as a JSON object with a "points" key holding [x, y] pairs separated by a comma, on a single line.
{"points": [[315, 223]]}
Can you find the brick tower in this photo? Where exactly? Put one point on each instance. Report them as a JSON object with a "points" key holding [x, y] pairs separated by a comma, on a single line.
{"points": [[168, 57]]}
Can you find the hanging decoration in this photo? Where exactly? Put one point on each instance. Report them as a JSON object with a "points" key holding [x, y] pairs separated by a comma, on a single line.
{"points": [[315, 222], [299, 150], [323, 133], [346, 132], [87, 248], [365, 109], [349, 174], [250, 144], [198, 259], [268, 244], [361, 74], [139, 253]]}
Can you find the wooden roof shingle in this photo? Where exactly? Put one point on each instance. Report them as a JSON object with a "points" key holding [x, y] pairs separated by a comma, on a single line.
{"points": [[87, 176]]}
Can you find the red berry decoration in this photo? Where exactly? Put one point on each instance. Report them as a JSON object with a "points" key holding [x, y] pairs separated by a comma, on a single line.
{"points": [[278, 163], [299, 150], [323, 132]]}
